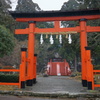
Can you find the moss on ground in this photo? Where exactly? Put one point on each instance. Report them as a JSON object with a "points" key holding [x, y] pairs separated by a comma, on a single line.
{"points": [[8, 88]]}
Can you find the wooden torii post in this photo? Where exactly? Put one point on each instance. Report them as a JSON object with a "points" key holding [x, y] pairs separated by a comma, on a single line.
{"points": [[56, 16], [31, 40]]}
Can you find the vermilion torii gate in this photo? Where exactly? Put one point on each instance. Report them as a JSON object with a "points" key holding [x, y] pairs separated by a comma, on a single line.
{"points": [[56, 16]]}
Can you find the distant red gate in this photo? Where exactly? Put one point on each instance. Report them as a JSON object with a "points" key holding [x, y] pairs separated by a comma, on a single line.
{"points": [[58, 66]]}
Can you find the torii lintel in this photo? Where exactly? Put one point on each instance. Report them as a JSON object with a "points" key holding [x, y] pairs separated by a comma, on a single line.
{"points": [[56, 15]]}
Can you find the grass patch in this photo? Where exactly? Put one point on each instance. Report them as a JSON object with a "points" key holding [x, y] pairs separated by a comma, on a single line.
{"points": [[8, 87], [97, 79], [76, 76]]}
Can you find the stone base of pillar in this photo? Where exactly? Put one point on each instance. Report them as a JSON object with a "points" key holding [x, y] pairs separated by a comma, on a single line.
{"points": [[22, 84], [29, 83], [34, 81], [84, 83], [89, 85]]}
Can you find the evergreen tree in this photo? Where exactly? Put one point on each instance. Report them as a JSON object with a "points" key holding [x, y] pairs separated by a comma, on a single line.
{"points": [[70, 5], [93, 38], [70, 51], [6, 37], [27, 6], [6, 41], [89, 4]]}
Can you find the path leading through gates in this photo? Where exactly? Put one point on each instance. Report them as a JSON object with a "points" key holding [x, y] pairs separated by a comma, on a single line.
{"points": [[59, 84], [57, 87]]}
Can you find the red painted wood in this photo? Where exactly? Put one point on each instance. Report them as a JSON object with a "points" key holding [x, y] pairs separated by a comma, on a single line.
{"points": [[64, 68]]}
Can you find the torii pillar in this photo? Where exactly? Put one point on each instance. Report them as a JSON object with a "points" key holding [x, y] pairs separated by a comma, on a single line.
{"points": [[31, 46], [83, 44]]}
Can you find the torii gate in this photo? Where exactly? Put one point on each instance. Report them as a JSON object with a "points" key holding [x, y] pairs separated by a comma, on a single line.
{"points": [[56, 16]]}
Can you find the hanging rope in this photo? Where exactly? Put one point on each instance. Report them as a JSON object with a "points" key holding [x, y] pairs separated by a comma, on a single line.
{"points": [[56, 36], [66, 35], [52, 40], [46, 36]]}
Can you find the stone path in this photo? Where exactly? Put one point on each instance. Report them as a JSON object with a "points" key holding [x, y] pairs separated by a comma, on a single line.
{"points": [[53, 87], [56, 84]]}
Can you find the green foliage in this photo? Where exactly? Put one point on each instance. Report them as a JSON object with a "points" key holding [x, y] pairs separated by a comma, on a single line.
{"points": [[6, 41], [97, 67], [27, 6], [5, 18], [93, 38], [45, 52], [68, 51], [94, 43], [6, 38], [89, 4], [70, 5], [12, 78]]}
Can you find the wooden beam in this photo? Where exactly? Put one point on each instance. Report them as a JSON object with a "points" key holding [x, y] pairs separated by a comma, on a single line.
{"points": [[4, 83], [93, 29], [22, 31], [68, 30], [49, 30], [56, 30], [9, 70], [70, 18]]}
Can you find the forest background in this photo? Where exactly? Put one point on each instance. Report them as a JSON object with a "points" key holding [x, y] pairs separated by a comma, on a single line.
{"points": [[10, 43]]}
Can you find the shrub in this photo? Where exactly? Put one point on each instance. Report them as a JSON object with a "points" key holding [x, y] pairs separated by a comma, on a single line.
{"points": [[97, 67], [9, 78]]}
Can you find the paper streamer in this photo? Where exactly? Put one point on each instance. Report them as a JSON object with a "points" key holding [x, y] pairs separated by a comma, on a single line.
{"points": [[69, 39], [51, 40], [41, 39], [60, 39]]}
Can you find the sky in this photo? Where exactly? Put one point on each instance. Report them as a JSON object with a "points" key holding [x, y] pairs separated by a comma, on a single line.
{"points": [[44, 4], [50, 4]]}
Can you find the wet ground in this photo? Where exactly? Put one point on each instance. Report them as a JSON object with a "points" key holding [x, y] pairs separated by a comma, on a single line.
{"points": [[56, 84]]}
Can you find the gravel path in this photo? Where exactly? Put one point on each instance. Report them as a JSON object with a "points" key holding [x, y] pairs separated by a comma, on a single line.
{"points": [[56, 84]]}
